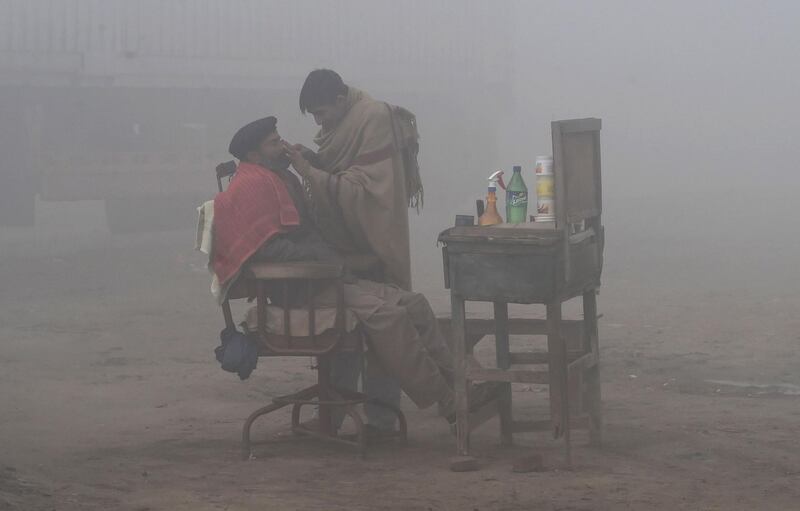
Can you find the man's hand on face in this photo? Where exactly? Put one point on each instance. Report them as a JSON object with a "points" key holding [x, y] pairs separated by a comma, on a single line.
{"points": [[305, 151], [299, 162]]}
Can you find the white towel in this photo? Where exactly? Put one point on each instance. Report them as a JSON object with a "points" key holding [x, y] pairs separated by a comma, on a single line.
{"points": [[204, 242], [205, 222]]}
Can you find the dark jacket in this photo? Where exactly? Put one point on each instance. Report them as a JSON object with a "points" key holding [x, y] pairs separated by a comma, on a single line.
{"points": [[303, 243]]}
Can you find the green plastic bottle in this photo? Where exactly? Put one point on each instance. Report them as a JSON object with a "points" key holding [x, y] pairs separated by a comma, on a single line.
{"points": [[516, 198]]}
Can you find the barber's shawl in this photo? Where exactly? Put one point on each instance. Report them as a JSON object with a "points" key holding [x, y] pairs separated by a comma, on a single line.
{"points": [[255, 207], [369, 177]]}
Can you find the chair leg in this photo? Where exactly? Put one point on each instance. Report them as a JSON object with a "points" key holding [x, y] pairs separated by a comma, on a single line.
{"points": [[246, 451]]}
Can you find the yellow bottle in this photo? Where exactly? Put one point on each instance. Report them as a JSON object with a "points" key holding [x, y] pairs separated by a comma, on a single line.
{"points": [[490, 216]]}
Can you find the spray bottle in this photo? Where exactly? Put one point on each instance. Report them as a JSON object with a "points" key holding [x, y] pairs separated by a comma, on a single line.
{"points": [[491, 216]]}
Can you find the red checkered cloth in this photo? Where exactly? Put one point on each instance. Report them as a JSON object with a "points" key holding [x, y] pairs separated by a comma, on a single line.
{"points": [[255, 207]]}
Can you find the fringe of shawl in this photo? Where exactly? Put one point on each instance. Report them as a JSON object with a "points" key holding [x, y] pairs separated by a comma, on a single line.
{"points": [[406, 135]]}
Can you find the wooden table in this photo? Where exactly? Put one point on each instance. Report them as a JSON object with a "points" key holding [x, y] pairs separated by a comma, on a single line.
{"points": [[546, 263]]}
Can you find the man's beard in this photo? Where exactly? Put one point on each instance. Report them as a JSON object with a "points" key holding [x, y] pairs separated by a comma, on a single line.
{"points": [[280, 163]]}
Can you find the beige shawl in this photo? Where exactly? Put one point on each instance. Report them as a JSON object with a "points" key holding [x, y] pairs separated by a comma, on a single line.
{"points": [[368, 179]]}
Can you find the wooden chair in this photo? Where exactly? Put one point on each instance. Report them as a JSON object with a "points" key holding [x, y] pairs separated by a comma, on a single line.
{"points": [[323, 290]]}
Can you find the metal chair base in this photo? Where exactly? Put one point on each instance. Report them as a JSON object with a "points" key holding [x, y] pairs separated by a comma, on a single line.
{"points": [[335, 398]]}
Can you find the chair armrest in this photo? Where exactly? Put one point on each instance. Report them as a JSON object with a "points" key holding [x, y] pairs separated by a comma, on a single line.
{"points": [[304, 270]]}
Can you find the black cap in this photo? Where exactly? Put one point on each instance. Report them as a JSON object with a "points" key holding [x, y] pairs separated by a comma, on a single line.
{"points": [[250, 136]]}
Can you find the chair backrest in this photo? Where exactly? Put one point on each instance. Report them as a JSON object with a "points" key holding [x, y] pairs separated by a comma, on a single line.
{"points": [[226, 169], [578, 187], [238, 290]]}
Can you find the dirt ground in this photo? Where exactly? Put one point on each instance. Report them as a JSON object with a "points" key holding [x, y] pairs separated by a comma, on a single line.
{"points": [[111, 398]]}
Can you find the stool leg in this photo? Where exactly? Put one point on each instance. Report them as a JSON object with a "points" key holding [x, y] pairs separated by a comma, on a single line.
{"points": [[457, 326], [559, 378], [503, 362], [592, 377]]}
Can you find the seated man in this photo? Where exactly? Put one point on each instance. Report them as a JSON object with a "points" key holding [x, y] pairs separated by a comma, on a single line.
{"points": [[262, 216]]}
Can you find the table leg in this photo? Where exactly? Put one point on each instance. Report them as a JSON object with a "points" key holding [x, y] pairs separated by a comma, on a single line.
{"points": [[458, 327], [503, 362], [559, 378], [592, 377]]}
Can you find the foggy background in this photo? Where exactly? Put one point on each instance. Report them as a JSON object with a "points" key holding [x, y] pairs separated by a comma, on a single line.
{"points": [[700, 112], [700, 115], [697, 99], [114, 113]]}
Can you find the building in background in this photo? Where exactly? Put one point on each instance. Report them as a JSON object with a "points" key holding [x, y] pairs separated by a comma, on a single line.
{"points": [[133, 101]]}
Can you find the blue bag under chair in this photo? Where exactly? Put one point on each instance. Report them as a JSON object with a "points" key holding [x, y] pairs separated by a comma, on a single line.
{"points": [[237, 353]]}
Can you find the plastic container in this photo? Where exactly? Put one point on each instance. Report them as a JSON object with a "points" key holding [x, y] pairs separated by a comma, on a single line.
{"points": [[545, 209], [545, 186], [544, 165], [545, 189], [516, 198], [490, 216]]}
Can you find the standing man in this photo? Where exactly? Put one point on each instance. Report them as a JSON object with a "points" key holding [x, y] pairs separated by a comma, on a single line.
{"points": [[365, 172], [362, 180]]}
